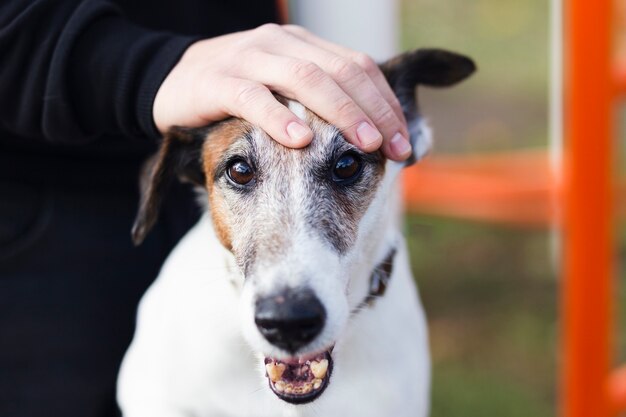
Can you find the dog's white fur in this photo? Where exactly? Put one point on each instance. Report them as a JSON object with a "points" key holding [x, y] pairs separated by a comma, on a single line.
{"points": [[197, 351]]}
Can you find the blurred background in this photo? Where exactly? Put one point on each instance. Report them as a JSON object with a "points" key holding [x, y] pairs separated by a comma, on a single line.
{"points": [[489, 288]]}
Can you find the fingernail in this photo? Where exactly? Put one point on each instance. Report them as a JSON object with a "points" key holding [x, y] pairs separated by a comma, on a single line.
{"points": [[297, 132], [367, 134], [400, 146]]}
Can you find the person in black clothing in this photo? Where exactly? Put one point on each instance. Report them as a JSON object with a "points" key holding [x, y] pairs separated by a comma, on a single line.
{"points": [[87, 88]]}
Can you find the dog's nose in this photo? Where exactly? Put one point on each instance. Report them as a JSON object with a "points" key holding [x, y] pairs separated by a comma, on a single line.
{"points": [[290, 319]]}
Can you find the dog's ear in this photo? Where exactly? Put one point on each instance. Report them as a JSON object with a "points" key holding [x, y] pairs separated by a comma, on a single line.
{"points": [[179, 156], [430, 67]]}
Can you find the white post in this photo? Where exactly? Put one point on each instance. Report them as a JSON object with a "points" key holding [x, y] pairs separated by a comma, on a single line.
{"points": [[370, 26], [555, 118]]}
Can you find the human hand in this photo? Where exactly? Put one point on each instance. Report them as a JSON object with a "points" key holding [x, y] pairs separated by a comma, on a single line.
{"points": [[235, 74]]}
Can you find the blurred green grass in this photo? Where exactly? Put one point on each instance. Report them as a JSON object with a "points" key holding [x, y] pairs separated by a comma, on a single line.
{"points": [[508, 39], [489, 291]]}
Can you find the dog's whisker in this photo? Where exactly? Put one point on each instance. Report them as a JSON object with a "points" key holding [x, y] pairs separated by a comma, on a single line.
{"points": [[257, 391]]}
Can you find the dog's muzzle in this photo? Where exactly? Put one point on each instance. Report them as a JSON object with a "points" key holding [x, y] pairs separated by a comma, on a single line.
{"points": [[290, 320]]}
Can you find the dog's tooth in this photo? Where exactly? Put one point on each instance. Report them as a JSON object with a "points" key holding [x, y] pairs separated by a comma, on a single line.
{"points": [[289, 389], [317, 383], [307, 387], [280, 386], [319, 368], [275, 371]]}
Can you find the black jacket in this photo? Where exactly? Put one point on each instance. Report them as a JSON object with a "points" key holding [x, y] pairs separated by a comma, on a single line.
{"points": [[78, 79]]}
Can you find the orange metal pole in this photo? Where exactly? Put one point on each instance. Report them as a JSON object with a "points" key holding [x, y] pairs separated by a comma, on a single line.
{"points": [[587, 287]]}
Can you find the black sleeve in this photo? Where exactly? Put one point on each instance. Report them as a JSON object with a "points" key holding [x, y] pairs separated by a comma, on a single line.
{"points": [[72, 70]]}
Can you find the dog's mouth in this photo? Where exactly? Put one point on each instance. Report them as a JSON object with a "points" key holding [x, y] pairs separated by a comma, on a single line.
{"points": [[300, 380]]}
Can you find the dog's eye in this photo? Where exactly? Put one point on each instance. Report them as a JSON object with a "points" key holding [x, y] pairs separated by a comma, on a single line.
{"points": [[347, 168], [240, 172]]}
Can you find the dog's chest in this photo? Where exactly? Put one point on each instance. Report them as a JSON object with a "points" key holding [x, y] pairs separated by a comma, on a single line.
{"points": [[191, 318], [370, 379]]}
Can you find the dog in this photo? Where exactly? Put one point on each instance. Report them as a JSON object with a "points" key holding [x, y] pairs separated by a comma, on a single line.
{"points": [[293, 295]]}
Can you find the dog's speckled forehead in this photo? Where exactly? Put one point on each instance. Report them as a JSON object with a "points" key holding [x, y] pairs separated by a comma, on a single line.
{"points": [[236, 135], [293, 191]]}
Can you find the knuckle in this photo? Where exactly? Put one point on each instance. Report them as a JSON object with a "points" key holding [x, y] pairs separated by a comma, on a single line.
{"points": [[306, 72], [268, 31], [272, 111], [269, 28], [386, 118], [247, 93], [295, 29], [345, 110], [345, 70], [366, 62]]}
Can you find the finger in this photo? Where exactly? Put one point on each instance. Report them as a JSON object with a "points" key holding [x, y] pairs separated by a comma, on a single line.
{"points": [[372, 69], [306, 82], [363, 60], [368, 86], [361, 88], [253, 102]]}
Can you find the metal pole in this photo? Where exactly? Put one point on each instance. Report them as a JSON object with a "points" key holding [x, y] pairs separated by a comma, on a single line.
{"points": [[588, 252]]}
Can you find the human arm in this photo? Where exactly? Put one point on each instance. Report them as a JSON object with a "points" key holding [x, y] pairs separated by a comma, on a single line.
{"points": [[75, 70]]}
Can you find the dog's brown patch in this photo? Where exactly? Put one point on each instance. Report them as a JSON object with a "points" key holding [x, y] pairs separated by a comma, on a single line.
{"points": [[218, 141]]}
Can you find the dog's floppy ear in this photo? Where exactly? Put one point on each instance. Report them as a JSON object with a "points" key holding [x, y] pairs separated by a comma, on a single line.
{"points": [[430, 67], [179, 156]]}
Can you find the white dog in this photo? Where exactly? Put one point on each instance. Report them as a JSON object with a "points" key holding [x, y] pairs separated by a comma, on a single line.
{"points": [[293, 295]]}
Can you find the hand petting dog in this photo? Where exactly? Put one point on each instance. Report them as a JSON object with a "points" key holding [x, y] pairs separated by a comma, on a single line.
{"points": [[236, 74]]}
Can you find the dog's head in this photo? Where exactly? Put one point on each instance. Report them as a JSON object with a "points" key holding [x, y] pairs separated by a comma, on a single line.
{"points": [[307, 227]]}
